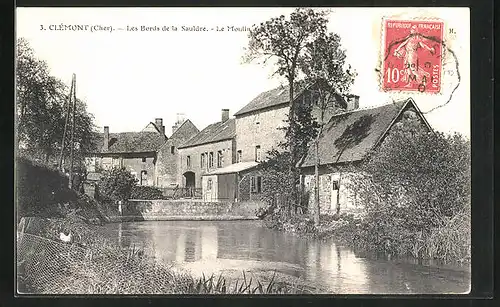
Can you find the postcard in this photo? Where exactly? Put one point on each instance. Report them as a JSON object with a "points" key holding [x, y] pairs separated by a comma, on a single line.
{"points": [[243, 151]]}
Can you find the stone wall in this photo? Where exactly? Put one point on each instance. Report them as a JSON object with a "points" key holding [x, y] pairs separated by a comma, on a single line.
{"points": [[260, 128], [188, 210], [328, 200], [136, 165]]}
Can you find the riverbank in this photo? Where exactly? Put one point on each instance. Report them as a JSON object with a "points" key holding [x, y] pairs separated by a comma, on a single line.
{"points": [[90, 263], [449, 244]]}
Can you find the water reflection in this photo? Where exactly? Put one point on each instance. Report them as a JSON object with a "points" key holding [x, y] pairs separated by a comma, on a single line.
{"points": [[211, 247]]}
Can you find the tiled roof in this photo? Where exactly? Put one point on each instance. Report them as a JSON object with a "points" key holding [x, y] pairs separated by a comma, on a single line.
{"points": [[132, 142], [274, 97], [213, 133], [352, 135], [279, 96]]}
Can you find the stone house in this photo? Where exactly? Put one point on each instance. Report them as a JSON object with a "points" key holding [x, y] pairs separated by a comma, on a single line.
{"points": [[136, 151], [260, 123], [167, 164], [258, 129], [210, 149], [347, 140]]}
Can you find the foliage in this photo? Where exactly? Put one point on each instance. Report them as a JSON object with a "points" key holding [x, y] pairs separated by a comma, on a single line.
{"points": [[298, 223], [40, 189], [278, 185], [41, 104], [145, 192], [285, 41], [43, 192], [425, 176], [307, 56], [116, 184], [413, 185], [324, 68]]}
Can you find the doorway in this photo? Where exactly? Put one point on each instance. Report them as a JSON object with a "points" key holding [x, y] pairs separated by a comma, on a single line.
{"points": [[190, 183]]}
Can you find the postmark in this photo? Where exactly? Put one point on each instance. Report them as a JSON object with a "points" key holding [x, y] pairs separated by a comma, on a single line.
{"points": [[412, 57]]}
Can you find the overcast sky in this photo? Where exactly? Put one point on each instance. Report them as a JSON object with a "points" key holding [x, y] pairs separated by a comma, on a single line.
{"points": [[129, 78]]}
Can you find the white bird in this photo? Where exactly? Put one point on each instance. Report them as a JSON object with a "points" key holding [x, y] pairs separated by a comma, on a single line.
{"points": [[65, 238]]}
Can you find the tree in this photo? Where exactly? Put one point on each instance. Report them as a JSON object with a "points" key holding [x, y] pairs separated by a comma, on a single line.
{"points": [[414, 182], [41, 108], [285, 40], [329, 81]]}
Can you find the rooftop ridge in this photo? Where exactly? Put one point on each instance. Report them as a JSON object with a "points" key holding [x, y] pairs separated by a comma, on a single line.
{"points": [[372, 107]]}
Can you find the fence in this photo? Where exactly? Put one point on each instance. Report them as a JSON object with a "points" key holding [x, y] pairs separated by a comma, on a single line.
{"points": [[178, 193], [45, 266]]}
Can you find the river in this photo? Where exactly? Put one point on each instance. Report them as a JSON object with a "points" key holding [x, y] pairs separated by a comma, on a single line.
{"points": [[203, 247]]}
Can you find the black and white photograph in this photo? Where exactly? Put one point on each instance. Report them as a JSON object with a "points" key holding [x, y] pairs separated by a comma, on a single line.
{"points": [[237, 151]]}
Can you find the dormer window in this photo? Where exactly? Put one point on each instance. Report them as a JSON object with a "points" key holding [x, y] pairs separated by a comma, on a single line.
{"points": [[172, 149]]}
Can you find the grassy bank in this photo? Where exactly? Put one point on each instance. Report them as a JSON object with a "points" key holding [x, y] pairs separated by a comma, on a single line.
{"points": [[92, 264], [449, 243]]}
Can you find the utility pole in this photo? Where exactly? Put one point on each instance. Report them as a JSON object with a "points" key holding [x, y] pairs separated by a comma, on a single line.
{"points": [[68, 113], [72, 134]]}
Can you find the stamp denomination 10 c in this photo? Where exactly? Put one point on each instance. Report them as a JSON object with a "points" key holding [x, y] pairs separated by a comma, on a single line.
{"points": [[412, 55]]}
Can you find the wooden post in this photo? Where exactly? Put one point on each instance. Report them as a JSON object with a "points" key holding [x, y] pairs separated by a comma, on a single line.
{"points": [[72, 134], [66, 125]]}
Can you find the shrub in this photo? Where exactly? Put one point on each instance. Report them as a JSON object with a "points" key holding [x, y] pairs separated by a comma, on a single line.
{"points": [[40, 189], [145, 192], [412, 186], [116, 185]]}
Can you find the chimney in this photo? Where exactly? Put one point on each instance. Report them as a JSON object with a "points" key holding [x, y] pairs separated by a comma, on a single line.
{"points": [[159, 125], [178, 122], [225, 115], [352, 102], [105, 146]]}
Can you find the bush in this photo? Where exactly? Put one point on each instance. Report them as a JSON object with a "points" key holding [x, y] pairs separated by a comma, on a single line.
{"points": [[116, 185], [413, 186], [298, 223], [40, 189], [145, 192]]}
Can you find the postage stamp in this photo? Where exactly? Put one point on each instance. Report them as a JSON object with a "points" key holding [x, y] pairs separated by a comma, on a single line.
{"points": [[412, 55]]}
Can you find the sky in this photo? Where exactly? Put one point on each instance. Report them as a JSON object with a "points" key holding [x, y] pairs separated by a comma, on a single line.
{"points": [[129, 78]]}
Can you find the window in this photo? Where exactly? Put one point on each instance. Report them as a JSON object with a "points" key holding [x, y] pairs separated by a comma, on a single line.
{"points": [[335, 185], [209, 184], [202, 160], [144, 177], [143, 159], [238, 156], [188, 161], [256, 184], [211, 159], [172, 149], [219, 158], [257, 153], [257, 127]]}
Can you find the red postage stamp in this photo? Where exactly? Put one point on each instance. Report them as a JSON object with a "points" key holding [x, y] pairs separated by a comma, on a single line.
{"points": [[412, 58]]}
